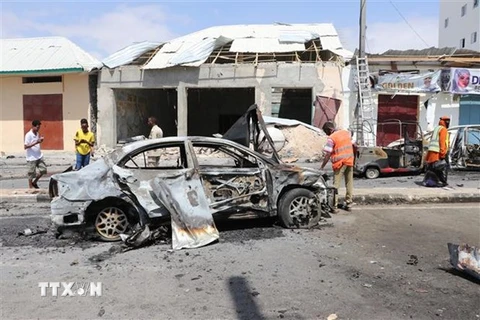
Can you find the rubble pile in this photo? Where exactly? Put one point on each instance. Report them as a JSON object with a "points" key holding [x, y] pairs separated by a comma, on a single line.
{"points": [[302, 143]]}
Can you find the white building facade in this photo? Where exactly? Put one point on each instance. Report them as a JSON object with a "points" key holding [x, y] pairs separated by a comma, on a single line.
{"points": [[459, 24]]}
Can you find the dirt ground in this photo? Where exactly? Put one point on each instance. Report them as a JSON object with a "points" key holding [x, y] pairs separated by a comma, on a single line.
{"points": [[361, 266]]}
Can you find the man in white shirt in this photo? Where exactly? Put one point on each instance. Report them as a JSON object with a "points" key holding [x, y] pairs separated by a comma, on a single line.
{"points": [[155, 133], [34, 155]]}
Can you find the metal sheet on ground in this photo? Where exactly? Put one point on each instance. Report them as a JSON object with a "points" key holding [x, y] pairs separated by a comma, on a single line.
{"points": [[185, 198]]}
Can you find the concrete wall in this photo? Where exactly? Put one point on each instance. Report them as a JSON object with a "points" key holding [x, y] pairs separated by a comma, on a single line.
{"points": [[74, 89], [458, 27], [323, 78]]}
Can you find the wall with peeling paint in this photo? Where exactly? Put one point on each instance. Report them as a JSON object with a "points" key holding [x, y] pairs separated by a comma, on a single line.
{"points": [[323, 78]]}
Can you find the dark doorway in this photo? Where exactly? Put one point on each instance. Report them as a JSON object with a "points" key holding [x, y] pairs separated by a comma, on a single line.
{"points": [[215, 110], [134, 106], [296, 104], [48, 108]]}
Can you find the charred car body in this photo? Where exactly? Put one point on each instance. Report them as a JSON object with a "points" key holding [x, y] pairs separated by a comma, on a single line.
{"points": [[189, 179], [464, 150], [399, 149]]}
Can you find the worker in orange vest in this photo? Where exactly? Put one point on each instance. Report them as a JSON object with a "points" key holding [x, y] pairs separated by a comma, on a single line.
{"points": [[437, 155], [339, 149]]}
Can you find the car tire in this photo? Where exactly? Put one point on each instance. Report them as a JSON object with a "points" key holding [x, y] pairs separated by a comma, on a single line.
{"points": [[372, 173], [110, 222], [294, 210]]}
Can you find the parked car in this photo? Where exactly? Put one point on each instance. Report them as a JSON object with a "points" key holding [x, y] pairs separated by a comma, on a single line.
{"points": [[187, 179], [399, 149]]}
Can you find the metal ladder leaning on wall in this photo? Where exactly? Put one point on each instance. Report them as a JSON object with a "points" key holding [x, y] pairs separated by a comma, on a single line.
{"points": [[366, 104]]}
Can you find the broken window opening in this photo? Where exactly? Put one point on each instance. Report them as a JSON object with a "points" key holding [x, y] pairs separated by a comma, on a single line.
{"points": [[214, 156], [158, 158]]}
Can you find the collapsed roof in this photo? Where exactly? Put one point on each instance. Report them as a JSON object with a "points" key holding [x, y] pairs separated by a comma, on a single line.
{"points": [[239, 44]]}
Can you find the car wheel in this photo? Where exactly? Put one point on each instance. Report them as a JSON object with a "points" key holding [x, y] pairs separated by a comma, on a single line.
{"points": [[295, 211], [110, 222], [372, 173]]}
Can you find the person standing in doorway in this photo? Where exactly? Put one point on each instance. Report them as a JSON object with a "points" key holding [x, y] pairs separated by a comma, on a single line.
{"points": [[156, 131], [339, 149], [84, 142], [34, 155]]}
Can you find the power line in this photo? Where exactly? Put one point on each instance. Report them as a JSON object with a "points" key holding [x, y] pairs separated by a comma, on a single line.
{"points": [[413, 29]]}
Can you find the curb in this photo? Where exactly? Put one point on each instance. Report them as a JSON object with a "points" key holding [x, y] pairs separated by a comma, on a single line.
{"points": [[416, 199], [369, 199]]}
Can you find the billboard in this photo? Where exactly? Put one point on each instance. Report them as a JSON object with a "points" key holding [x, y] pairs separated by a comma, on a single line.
{"points": [[425, 82], [460, 80]]}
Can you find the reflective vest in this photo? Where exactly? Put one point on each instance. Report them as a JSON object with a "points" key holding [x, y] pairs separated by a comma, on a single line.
{"points": [[434, 144], [342, 153]]}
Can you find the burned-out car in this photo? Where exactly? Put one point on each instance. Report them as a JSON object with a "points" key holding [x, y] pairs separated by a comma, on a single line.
{"points": [[399, 149], [189, 179], [464, 152]]}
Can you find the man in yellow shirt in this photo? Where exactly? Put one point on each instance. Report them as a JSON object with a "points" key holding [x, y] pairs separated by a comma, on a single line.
{"points": [[84, 141]]}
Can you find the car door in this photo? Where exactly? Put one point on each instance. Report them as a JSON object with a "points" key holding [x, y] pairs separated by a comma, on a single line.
{"points": [[234, 179], [164, 180], [144, 165]]}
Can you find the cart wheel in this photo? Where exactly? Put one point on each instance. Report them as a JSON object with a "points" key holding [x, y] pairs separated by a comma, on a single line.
{"points": [[372, 173]]}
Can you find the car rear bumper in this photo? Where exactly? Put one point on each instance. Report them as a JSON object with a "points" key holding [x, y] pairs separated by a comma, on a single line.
{"points": [[68, 213]]}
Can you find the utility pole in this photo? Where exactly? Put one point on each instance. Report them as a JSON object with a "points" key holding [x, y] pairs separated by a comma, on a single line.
{"points": [[361, 54], [363, 19]]}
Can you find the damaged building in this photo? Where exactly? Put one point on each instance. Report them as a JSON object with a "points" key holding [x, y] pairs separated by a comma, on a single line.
{"points": [[199, 84], [421, 86]]}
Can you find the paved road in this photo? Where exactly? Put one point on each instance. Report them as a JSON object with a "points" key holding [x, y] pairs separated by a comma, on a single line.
{"points": [[356, 268], [466, 179]]}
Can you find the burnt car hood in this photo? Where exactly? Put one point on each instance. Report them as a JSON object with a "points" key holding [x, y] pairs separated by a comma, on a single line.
{"points": [[250, 131]]}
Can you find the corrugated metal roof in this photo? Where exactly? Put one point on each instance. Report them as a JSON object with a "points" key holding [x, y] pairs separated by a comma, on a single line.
{"points": [[194, 49], [40, 55], [264, 45], [129, 54], [447, 51]]}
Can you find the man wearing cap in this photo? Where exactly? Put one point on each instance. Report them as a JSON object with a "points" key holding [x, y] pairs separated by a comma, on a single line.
{"points": [[34, 155], [437, 154], [339, 149]]}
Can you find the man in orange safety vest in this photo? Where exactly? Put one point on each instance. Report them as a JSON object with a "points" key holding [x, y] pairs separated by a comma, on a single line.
{"points": [[339, 149]]}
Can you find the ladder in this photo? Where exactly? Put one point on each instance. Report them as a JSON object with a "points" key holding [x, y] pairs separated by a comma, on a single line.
{"points": [[365, 126]]}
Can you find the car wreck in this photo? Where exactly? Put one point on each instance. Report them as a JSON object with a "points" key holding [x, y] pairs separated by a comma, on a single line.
{"points": [[464, 150], [189, 180], [399, 149]]}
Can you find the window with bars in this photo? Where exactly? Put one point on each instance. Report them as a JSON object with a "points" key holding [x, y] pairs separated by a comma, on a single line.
{"points": [[473, 37], [462, 43]]}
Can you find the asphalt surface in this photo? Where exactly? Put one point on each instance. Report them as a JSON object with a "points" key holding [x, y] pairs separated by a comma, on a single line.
{"points": [[467, 179], [358, 267]]}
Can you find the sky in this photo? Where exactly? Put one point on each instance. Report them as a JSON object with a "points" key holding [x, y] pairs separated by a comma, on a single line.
{"points": [[104, 27]]}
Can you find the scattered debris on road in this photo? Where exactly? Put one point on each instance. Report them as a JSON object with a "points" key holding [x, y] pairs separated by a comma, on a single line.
{"points": [[465, 258], [333, 316], [413, 261], [30, 232]]}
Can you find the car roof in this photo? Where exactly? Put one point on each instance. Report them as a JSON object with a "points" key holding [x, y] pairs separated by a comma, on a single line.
{"points": [[144, 143], [126, 149]]}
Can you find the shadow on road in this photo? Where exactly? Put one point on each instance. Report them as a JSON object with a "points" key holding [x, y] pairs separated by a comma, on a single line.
{"points": [[244, 299], [460, 274]]}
